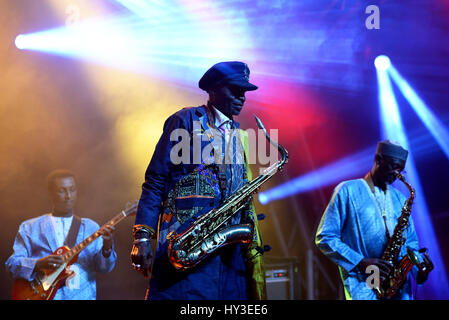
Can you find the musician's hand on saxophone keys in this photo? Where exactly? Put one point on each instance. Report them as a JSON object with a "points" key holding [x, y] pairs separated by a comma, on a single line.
{"points": [[425, 267], [384, 266]]}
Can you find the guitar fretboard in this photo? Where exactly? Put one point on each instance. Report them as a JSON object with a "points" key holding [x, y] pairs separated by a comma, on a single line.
{"points": [[83, 244]]}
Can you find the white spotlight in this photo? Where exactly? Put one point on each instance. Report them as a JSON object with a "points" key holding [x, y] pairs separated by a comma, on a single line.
{"points": [[20, 41], [382, 62]]}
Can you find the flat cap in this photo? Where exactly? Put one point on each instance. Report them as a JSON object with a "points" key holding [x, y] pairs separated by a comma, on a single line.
{"points": [[234, 73]]}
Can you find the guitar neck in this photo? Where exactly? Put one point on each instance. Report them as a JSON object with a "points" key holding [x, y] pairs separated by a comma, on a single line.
{"points": [[83, 244]]}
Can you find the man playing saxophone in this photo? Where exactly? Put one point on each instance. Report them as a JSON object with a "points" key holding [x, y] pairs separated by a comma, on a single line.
{"points": [[360, 219], [181, 184]]}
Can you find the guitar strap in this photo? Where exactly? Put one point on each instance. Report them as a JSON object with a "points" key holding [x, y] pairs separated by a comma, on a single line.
{"points": [[73, 232]]}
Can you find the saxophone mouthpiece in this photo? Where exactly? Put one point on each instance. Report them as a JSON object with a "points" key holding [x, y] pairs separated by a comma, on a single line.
{"points": [[399, 175]]}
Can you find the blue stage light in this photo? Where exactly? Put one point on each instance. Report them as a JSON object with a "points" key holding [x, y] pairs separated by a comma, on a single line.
{"points": [[389, 111], [348, 167], [437, 286], [382, 62], [432, 123], [343, 169], [263, 199], [100, 40], [155, 12], [163, 39]]}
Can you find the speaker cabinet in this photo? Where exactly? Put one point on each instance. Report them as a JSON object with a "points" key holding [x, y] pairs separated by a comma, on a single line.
{"points": [[281, 275]]}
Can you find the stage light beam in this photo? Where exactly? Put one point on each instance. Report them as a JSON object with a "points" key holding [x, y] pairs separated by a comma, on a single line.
{"points": [[345, 168], [432, 123], [173, 41], [335, 172], [393, 129]]}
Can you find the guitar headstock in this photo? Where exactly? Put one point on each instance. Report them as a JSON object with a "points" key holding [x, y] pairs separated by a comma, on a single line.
{"points": [[131, 208]]}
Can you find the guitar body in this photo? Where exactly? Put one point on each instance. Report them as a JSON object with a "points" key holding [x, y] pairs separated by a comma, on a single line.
{"points": [[45, 286]]}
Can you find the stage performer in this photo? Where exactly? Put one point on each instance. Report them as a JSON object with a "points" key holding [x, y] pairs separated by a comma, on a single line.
{"points": [[359, 220], [38, 238], [176, 192]]}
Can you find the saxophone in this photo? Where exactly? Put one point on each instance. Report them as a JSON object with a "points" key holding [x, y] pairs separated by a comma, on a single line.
{"points": [[395, 280], [210, 232]]}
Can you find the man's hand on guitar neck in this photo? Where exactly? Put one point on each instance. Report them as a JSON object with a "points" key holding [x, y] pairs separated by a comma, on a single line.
{"points": [[50, 263], [108, 231]]}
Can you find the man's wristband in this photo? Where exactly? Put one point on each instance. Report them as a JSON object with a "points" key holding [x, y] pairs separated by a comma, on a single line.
{"points": [[141, 240], [141, 231]]}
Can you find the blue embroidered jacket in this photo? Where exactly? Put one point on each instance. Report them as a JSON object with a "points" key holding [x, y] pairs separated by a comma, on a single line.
{"points": [[173, 196]]}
